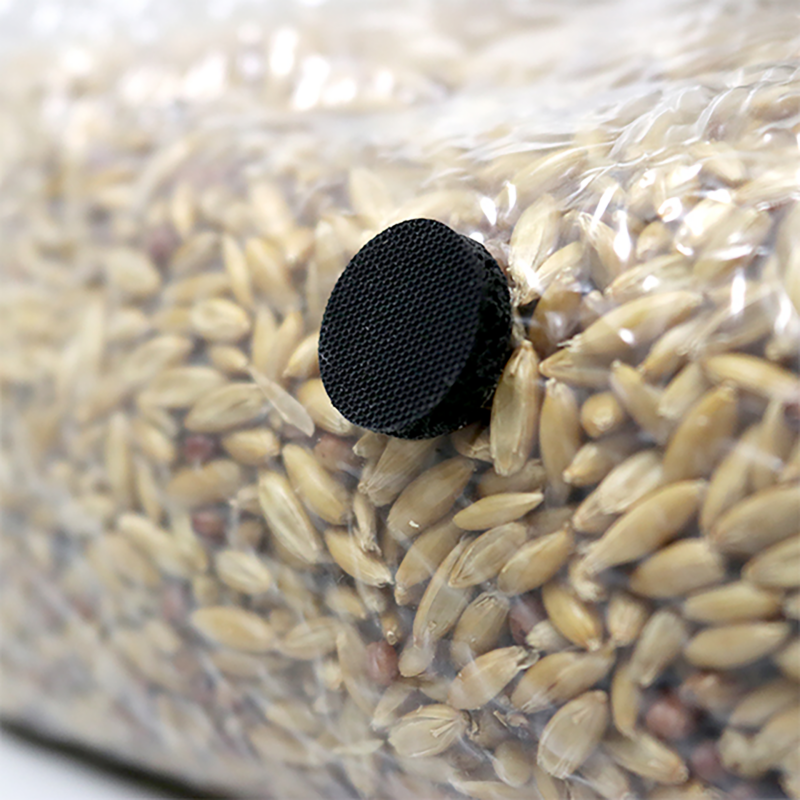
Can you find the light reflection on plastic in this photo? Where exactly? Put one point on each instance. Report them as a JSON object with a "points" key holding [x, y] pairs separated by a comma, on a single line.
{"points": [[340, 92], [720, 195], [384, 83], [622, 240], [626, 334], [671, 209], [648, 179], [604, 201], [207, 79], [489, 209], [282, 51], [738, 291], [477, 236], [77, 61], [512, 196], [315, 70], [785, 313], [650, 283]]}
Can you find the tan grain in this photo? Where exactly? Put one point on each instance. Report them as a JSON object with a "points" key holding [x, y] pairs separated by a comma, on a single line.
{"points": [[573, 733], [485, 677], [286, 519], [650, 524], [559, 677], [731, 646], [739, 601], [234, 627], [515, 411], [702, 436], [535, 563], [429, 497], [659, 643], [575, 619], [497, 509], [559, 436], [601, 414]]}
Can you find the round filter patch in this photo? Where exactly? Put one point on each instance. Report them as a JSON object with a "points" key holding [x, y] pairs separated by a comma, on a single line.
{"points": [[415, 333]]}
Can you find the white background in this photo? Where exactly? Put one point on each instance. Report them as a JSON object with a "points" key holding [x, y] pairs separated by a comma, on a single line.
{"points": [[30, 772]]}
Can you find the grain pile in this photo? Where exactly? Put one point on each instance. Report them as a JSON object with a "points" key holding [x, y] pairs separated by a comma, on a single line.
{"points": [[592, 593]]}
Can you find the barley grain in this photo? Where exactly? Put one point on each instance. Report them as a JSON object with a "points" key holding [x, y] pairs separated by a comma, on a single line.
{"points": [[485, 677], [229, 360], [754, 375], [575, 369], [317, 488], [535, 563], [479, 628], [761, 703], [515, 411], [216, 481], [220, 320], [650, 524], [678, 569], [311, 639], [559, 436], [788, 660], [625, 617], [573, 733], [424, 556], [730, 479], [529, 479], [626, 700], [253, 447], [659, 643], [559, 677], [314, 398], [596, 459], [760, 520], [224, 408], [497, 509], [533, 239], [634, 324], [640, 400], [735, 602], [286, 518], [234, 627], [602, 413], [576, 620], [429, 497], [777, 567], [482, 559], [511, 765], [701, 437], [244, 572], [683, 392], [428, 731], [303, 363], [238, 272], [644, 755], [345, 551], [399, 463], [775, 442], [730, 646], [442, 604]]}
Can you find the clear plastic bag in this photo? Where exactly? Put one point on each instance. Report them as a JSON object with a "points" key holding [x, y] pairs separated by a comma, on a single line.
{"points": [[208, 571]]}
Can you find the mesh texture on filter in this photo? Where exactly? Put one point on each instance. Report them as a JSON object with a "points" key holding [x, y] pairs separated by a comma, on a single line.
{"points": [[415, 333]]}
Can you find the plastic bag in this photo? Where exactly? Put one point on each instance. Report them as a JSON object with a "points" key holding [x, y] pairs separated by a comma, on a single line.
{"points": [[208, 571]]}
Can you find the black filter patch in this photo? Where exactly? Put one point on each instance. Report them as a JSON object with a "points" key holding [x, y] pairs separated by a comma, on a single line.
{"points": [[416, 330]]}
